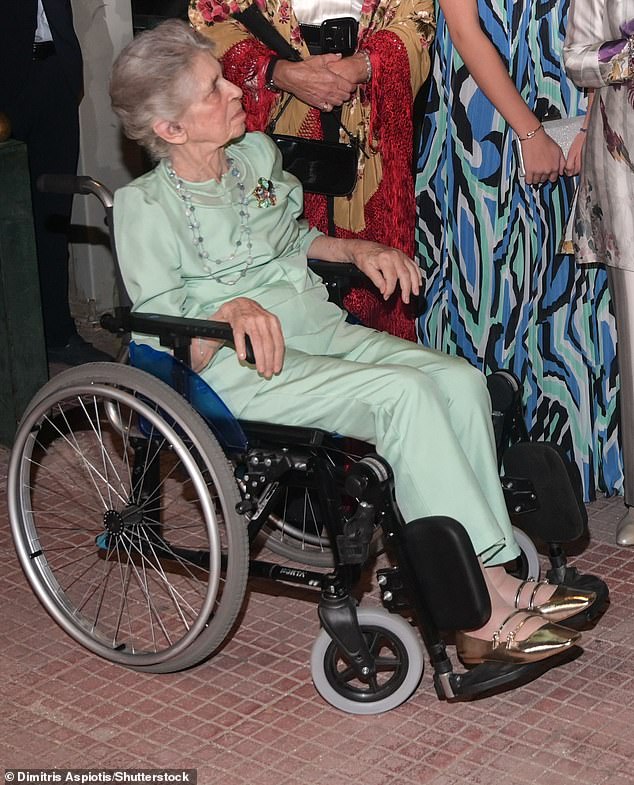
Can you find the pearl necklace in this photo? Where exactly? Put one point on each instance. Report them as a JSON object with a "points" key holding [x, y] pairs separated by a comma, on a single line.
{"points": [[198, 240]]}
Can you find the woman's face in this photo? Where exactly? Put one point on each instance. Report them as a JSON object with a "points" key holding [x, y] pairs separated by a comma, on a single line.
{"points": [[215, 115]]}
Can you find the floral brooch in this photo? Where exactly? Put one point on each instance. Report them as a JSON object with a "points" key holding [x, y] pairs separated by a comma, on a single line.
{"points": [[264, 193]]}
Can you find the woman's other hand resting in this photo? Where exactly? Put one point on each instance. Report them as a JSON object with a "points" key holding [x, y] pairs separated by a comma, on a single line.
{"points": [[246, 317], [385, 267]]}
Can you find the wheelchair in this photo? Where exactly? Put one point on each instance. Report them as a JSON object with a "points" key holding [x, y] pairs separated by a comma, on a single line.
{"points": [[136, 500]]}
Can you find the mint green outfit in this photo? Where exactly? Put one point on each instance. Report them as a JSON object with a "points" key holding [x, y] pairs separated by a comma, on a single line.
{"points": [[427, 413]]}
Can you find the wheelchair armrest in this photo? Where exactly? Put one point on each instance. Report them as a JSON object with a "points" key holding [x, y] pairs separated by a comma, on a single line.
{"points": [[330, 270], [337, 277], [173, 332]]}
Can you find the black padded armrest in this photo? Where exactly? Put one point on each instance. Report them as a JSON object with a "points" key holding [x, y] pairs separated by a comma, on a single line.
{"points": [[338, 270], [174, 332], [179, 326]]}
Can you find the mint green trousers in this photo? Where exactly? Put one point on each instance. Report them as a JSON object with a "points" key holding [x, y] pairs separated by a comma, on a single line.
{"points": [[428, 414]]}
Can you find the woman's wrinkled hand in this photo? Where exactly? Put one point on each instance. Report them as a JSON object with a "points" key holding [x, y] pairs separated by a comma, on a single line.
{"points": [[246, 317], [386, 267], [314, 82], [543, 159], [353, 68]]}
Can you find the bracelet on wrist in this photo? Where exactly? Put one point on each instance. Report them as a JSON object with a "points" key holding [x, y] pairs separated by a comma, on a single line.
{"points": [[530, 134], [268, 75], [368, 65]]}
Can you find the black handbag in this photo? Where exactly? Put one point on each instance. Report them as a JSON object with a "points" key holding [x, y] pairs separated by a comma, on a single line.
{"points": [[327, 168], [323, 167]]}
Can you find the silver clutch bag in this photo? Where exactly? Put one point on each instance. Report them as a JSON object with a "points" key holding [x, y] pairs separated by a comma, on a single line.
{"points": [[561, 131], [564, 131]]}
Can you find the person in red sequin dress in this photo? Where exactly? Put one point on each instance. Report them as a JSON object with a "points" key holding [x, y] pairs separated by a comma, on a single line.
{"points": [[375, 88]]}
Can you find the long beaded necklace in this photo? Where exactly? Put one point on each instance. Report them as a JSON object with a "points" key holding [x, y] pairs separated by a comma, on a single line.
{"points": [[194, 225]]}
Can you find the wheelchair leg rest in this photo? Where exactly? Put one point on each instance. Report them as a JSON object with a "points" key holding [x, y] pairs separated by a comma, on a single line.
{"points": [[442, 575], [559, 514], [442, 578]]}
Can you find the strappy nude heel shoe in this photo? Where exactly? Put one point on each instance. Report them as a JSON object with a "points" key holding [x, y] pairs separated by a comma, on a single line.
{"points": [[562, 604], [546, 641]]}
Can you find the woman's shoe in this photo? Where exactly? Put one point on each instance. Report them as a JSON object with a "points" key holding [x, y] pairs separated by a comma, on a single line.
{"points": [[563, 604], [546, 641]]}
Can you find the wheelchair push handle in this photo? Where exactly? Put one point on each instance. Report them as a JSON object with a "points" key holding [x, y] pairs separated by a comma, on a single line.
{"points": [[74, 184]]}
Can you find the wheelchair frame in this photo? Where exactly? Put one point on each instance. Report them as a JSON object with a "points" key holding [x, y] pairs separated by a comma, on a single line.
{"points": [[364, 660]]}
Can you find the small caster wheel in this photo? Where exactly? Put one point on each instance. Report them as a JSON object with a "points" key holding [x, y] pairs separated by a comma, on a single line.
{"points": [[398, 654]]}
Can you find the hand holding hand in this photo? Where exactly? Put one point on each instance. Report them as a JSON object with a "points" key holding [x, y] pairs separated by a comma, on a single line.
{"points": [[353, 68], [314, 81], [247, 317], [386, 267]]}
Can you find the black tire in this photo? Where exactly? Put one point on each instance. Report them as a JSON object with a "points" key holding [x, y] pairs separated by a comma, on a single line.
{"points": [[148, 592], [399, 657]]}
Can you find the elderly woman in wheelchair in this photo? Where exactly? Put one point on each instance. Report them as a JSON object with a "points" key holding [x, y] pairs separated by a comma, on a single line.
{"points": [[214, 233]]}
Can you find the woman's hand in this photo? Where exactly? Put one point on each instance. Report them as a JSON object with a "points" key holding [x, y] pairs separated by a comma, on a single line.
{"points": [[246, 317], [386, 267], [353, 68], [543, 159], [314, 82], [575, 155]]}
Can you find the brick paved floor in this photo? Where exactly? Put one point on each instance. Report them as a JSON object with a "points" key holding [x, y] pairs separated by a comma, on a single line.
{"points": [[250, 715]]}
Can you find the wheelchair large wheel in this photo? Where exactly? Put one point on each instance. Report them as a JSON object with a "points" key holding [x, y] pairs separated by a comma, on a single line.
{"points": [[398, 651], [122, 507]]}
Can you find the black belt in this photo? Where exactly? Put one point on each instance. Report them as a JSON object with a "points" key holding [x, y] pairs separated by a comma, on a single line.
{"points": [[42, 50]]}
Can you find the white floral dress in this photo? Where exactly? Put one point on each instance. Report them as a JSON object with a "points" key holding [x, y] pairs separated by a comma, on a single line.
{"points": [[599, 53]]}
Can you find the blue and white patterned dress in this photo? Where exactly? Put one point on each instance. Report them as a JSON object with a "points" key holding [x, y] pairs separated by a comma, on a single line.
{"points": [[496, 290]]}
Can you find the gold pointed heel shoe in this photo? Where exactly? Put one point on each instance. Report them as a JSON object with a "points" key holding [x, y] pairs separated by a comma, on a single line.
{"points": [[562, 604], [546, 641]]}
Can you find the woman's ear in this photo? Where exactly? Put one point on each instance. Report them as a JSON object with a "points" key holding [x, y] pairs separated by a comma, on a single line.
{"points": [[170, 131]]}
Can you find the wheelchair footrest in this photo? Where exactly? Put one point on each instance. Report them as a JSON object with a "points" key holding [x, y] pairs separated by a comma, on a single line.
{"points": [[493, 677]]}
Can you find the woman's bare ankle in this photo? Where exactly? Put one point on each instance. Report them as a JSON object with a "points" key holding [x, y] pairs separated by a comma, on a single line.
{"points": [[515, 592]]}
